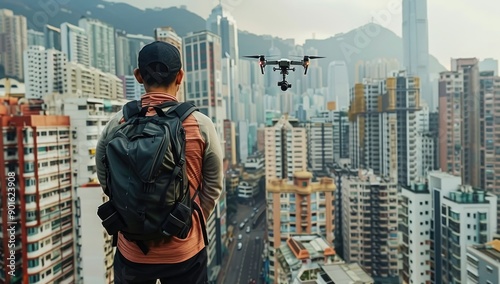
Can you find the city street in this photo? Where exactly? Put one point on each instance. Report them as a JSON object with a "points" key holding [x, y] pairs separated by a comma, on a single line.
{"points": [[245, 264]]}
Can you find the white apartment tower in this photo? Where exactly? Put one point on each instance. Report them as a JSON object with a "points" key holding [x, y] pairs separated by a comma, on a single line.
{"points": [[53, 79], [370, 224], [415, 226], [14, 39], [462, 216], [75, 44], [286, 148], [101, 40]]}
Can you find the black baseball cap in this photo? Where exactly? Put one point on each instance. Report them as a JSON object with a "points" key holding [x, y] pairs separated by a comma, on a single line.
{"points": [[159, 52]]}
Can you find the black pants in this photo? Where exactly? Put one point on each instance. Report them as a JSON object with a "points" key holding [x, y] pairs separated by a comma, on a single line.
{"points": [[191, 271]]}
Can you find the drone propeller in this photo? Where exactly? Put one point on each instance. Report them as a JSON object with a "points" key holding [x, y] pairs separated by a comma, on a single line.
{"points": [[254, 56], [313, 57], [262, 61]]}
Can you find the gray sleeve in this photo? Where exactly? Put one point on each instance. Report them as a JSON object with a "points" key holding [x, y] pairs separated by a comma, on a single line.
{"points": [[101, 149], [212, 171]]}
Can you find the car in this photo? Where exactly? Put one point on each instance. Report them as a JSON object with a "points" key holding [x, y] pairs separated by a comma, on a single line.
{"points": [[253, 215], [240, 237], [248, 229], [246, 220], [255, 209], [240, 246], [242, 224]]}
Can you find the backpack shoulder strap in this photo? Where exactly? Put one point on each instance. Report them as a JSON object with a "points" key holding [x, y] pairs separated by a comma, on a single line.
{"points": [[183, 110], [131, 109]]}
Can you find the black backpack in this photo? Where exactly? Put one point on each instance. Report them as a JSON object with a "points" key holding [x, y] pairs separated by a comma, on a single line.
{"points": [[146, 176]]}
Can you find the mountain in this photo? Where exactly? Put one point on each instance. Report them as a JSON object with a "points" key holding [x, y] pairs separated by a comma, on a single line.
{"points": [[367, 42]]}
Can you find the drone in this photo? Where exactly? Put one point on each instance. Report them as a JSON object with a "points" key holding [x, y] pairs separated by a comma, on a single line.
{"points": [[284, 65]]}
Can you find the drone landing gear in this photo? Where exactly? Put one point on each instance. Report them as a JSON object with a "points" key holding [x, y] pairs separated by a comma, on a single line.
{"points": [[284, 85]]}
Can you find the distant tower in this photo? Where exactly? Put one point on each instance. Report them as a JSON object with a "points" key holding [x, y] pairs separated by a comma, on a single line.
{"points": [[416, 45], [338, 84]]}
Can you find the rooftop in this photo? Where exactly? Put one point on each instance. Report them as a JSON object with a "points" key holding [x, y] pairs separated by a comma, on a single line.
{"points": [[345, 273], [491, 249]]}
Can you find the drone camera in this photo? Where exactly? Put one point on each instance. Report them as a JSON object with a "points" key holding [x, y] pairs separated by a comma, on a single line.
{"points": [[284, 85]]}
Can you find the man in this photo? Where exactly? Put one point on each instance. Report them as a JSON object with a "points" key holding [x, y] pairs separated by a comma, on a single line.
{"points": [[178, 260]]}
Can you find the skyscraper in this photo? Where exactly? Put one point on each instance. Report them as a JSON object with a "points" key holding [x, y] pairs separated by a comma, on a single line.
{"points": [[416, 45], [222, 23], [101, 37], [13, 42], [338, 84], [75, 44]]}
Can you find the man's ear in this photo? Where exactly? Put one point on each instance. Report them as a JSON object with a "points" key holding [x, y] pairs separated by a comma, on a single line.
{"points": [[179, 77], [138, 76]]}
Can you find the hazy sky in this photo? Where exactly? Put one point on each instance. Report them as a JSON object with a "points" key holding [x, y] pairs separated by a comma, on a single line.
{"points": [[457, 28]]}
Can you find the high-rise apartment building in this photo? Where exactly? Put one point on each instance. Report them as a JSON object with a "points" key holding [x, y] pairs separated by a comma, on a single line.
{"points": [[320, 144], [37, 215], [489, 118], [370, 224], [462, 216], [416, 46], [85, 82], [300, 206], [101, 38], [230, 141], [471, 115], [285, 148], [202, 53], [75, 44], [52, 80], [13, 42], [124, 64], [383, 116], [451, 88], [415, 221], [340, 121], [88, 119]]}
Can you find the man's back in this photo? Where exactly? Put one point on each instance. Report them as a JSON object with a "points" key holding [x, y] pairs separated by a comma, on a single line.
{"points": [[203, 166]]}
